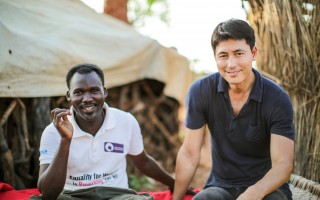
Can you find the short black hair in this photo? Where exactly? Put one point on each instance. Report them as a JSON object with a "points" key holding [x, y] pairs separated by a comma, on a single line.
{"points": [[84, 69], [233, 29]]}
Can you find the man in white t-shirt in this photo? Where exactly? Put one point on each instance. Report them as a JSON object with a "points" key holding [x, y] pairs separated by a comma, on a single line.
{"points": [[85, 147]]}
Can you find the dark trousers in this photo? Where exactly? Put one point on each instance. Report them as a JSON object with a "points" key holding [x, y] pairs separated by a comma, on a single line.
{"points": [[100, 193], [217, 193]]}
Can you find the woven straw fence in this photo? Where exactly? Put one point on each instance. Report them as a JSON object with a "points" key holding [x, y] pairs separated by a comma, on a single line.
{"points": [[303, 188]]}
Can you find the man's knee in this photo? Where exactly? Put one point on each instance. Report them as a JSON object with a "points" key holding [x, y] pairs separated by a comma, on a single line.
{"points": [[213, 193]]}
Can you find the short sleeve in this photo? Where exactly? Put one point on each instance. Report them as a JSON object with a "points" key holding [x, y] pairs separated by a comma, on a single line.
{"points": [[136, 143], [48, 145], [282, 117], [195, 117]]}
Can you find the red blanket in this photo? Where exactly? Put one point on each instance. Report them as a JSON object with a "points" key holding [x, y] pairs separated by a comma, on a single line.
{"points": [[7, 192]]}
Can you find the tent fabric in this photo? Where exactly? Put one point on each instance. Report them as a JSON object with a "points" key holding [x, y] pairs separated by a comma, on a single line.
{"points": [[41, 40], [9, 194]]}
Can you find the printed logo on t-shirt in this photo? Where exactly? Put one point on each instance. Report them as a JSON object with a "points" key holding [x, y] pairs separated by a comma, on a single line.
{"points": [[42, 152], [93, 179], [113, 147]]}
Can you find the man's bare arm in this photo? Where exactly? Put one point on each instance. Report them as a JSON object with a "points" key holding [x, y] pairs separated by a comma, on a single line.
{"points": [[188, 159], [52, 177], [148, 166], [282, 155]]}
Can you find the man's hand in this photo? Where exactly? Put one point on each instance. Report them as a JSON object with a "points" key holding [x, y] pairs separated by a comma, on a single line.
{"points": [[61, 122], [190, 191], [250, 194]]}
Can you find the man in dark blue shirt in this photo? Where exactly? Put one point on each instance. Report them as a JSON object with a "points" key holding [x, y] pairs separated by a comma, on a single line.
{"points": [[250, 119]]}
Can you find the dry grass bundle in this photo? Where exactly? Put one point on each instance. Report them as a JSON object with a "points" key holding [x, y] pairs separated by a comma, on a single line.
{"points": [[288, 37]]}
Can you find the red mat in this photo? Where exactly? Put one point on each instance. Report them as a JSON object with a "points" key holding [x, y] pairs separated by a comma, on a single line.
{"points": [[7, 192]]}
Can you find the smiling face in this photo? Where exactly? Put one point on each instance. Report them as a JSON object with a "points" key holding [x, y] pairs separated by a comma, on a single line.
{"points": [[87, 96], [234, 61]]}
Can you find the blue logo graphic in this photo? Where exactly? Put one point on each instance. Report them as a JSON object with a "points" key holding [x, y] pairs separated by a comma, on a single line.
{"points": [[44, 151], [113, 147]]}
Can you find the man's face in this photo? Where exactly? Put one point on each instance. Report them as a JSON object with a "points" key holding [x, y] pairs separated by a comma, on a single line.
{"points": [[234, 60], [87, 95]]}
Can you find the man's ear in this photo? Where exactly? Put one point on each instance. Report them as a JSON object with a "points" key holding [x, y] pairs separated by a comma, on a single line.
{"points": [[254, 53], [68, 96], [105, 92]]}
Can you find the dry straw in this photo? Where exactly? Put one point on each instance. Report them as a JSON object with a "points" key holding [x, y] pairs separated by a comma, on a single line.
{"points": [[288, 39]]}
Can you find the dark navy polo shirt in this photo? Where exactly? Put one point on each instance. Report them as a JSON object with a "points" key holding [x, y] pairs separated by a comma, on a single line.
{"points": [[240, 144]]}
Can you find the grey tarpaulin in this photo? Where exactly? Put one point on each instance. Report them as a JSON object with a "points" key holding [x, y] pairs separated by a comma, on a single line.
{"points": [[40, 40]]}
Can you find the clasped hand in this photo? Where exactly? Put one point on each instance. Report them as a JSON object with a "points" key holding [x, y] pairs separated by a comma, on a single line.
{"points": [[62, 123]]}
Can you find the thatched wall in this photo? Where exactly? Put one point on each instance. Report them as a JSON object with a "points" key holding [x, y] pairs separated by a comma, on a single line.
{"points": [[288, 39]]}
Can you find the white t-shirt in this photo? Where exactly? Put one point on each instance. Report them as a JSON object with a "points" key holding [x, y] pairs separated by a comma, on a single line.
{"points": [[99, 160]]}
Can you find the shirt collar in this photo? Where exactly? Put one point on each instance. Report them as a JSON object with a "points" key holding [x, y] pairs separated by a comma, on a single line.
{"points": [[257, 90], [108, 123]]}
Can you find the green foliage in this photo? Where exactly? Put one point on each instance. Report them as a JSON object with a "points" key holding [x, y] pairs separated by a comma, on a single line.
{"points": [[140, 10], [139, 182]]}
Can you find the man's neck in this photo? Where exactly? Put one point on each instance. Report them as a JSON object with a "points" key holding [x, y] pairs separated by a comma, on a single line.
{"points": [[239, 93], [91, 126], [244, 87]]}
